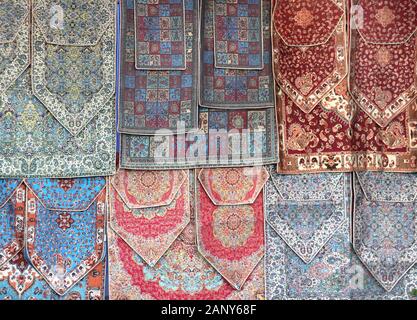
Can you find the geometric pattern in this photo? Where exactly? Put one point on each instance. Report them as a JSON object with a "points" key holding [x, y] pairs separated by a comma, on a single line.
{"points": [[238, 34], [230, 87], [53, 232], [230, 237], [226, 138], [160, 34], [384, 229], [35, 144], [14, 41], [152, 100], [149, 210], [74, 82]]}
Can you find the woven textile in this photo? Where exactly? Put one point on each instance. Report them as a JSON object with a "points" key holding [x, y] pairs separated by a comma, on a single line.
{"points": [[160, 34], [385, 223], [35, 144], [181, 273], [230, 232], [238, 34], [63, 214], [331, 122], [310, 66], [73, 71], [152, 100], [12, 215], [233, 87], [334, 270], [20, 281], [149, 210], [14, 41], [225, 138]]}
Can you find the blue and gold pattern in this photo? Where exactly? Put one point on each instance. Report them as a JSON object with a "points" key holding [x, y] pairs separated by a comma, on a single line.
{"points": [[75, 82]]}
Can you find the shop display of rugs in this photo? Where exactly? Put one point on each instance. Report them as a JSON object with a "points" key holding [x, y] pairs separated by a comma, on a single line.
{"points": [[267, 149]]}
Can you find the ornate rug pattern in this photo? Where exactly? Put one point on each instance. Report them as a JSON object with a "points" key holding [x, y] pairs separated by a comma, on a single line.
{"points": [[14, 41], [72, 77], [150, 100], [333, 123], [63, 214], [12, 216], [160, 34], [35, 144], [233, 88], [238, 34], [149, 210], [385, 224], [181, 274], [230, 233], [226, 138]]}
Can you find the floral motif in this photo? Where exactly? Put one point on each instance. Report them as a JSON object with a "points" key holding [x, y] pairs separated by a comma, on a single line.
{"points": [[384, 232], [50, 244], [74, 82], [14, 41], [230, 237], [73, 22], [34, 143], [150, 223], [232, 186]]}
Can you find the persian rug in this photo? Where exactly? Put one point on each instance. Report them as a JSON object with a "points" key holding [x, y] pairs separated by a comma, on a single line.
{"points": [[228, 86], [306, 210], [311, 66], [160, 34], [308, 252], [74, 58], [385, 223], [20, 281], [335, 272], [149, 210], [230, 220], [63, 214], [383, 85], [14, 41], [12, 216], [238, 34], [225, 138], [152, 101], [181, 274], [35, 144]]}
